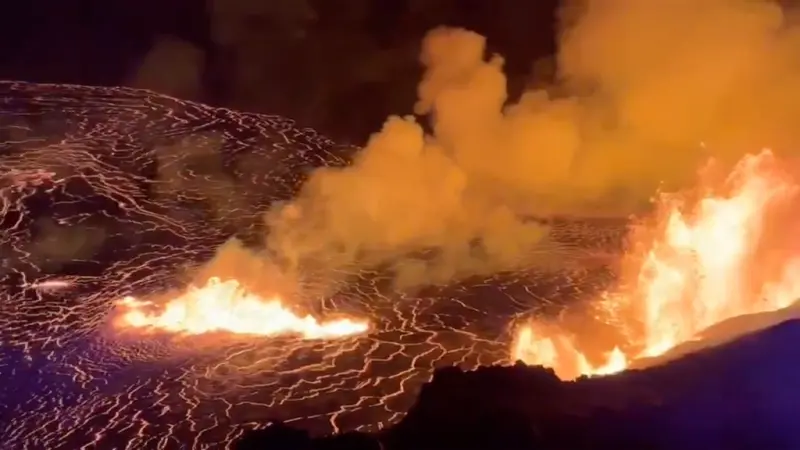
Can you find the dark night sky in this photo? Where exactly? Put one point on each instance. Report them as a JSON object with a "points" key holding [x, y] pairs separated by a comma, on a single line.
{"points": [[102, 42], [91, 41]]}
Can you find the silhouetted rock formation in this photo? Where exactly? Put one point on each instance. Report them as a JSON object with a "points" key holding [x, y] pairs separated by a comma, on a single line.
{"points": [[742, 395]]}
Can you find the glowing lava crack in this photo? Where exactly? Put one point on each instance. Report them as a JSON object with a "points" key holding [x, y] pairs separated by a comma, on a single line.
{"points": [[226, 306], [115, 192]]}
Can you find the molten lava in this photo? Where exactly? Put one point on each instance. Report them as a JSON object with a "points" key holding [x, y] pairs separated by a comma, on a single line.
{"points": [[704, 265], [226, 306]]}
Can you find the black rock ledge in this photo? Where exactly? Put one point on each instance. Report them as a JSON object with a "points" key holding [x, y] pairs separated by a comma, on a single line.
{"points": [[744, 394]]}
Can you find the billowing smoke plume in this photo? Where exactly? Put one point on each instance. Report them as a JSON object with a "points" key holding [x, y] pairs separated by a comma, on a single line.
{"points": [[645, 92]]}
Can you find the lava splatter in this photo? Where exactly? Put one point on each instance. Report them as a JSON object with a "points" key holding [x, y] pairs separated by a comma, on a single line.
{"points": [[705, 263]]}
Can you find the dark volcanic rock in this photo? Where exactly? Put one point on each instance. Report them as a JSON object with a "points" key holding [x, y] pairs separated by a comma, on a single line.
{"points": [[742, 395]]}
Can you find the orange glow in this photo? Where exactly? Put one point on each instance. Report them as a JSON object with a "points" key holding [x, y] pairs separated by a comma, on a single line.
{"points": [[699, 270], [559, 352], [226, 306]]}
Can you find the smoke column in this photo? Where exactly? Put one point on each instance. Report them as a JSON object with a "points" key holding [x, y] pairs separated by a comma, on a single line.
{"points": [[645, 93]]}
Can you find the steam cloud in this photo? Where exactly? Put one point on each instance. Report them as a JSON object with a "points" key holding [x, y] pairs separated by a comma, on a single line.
{"points": [[645, 92]]}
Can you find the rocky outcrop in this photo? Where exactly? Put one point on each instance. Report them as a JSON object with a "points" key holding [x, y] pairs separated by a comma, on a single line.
{"points": [[744, 394]]}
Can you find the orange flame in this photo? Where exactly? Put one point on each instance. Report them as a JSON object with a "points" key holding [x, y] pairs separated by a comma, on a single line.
{"points": [[700, 270], [226, 306], [559, 352]]}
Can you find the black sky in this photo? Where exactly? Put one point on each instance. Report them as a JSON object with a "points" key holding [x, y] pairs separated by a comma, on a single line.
{"points": [[102, 42]]}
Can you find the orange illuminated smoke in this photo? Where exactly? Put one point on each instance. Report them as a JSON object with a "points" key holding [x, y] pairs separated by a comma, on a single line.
{"points": [[226, 306], [699, 270]]}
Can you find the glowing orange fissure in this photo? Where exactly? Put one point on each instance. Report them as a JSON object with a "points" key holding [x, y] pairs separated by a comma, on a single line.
{"points": [[224, 306], [699, 270]]}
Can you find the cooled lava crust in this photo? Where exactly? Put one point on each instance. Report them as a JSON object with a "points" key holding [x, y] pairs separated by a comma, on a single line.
{"points": [[107, 192]]}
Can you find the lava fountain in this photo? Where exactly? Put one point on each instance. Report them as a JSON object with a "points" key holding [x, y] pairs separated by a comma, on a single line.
{"points": [[705, 260], [225, 306]]}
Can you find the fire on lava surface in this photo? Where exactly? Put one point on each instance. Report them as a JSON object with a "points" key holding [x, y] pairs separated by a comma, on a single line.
{"points": [[227, 306], [708, 259], [140, 230]]}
